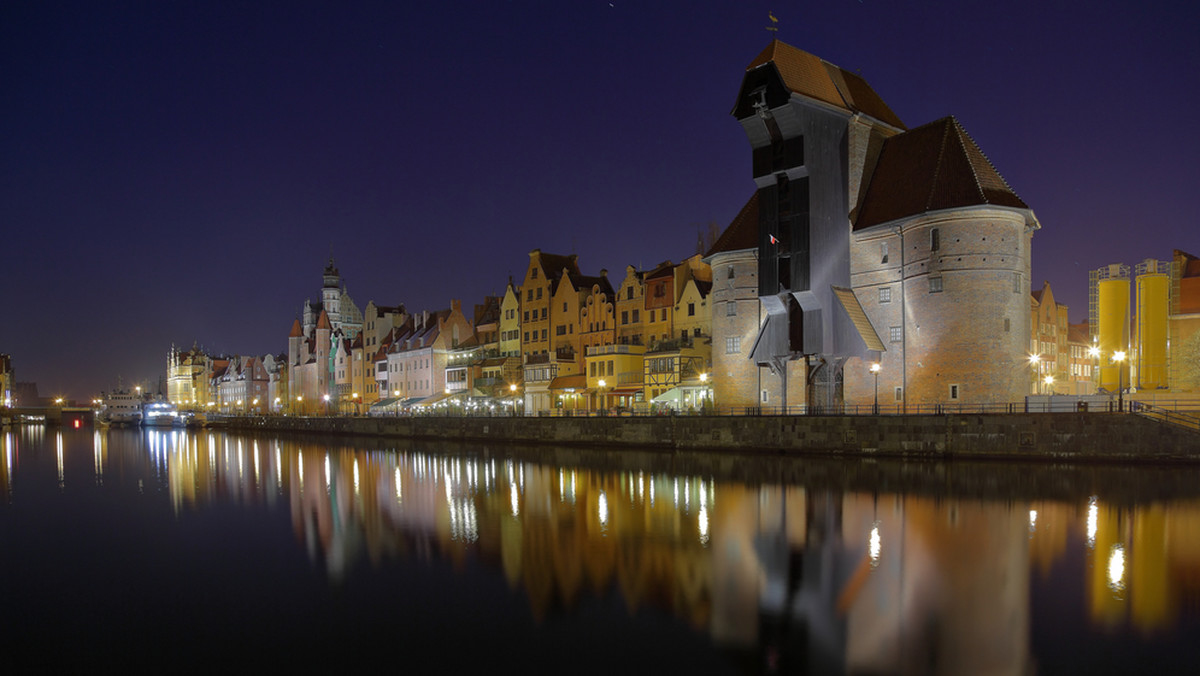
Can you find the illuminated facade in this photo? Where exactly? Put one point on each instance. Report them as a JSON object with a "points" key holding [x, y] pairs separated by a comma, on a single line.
{"points": [[877, 243], [189, 378], [7, 380], [1049, 349]]}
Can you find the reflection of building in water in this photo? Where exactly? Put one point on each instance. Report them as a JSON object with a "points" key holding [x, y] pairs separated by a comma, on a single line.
{"points": [[947, 589], [796, 577], [1143, 561]]}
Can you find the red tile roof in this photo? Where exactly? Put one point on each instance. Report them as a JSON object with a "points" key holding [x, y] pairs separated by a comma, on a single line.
{"points": [[296, 332], [323, 321], [811, 76], [935, 166]]}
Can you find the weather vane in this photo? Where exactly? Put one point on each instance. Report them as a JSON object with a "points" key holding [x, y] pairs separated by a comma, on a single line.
{"points": [[773, 27]]}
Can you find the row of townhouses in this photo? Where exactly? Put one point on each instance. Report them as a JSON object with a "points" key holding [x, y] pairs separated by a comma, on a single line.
{"points": [[872, 264]]}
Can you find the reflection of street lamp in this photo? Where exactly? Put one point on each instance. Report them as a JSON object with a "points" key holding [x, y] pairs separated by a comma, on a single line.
{"points": [[876, 368], [1119, 356]]}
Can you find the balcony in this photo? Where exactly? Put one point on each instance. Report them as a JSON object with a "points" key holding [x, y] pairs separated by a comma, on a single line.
{"points": [[597, 350]]}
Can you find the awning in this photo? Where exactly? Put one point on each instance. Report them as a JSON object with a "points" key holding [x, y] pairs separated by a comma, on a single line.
{"points": [[624, 391], [859, 317], [576, 382], [431, 400], [671, 395], [384, 403]]}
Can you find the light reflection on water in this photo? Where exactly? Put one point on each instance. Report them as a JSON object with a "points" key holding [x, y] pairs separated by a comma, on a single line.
{"points": [[789, 573]]}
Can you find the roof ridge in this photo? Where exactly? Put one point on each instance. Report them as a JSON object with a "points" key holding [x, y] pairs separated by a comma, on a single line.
{"points": [[937, 169], [975, 174]]}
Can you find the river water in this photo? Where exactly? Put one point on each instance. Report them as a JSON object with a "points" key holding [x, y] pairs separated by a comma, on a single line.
{"points": [[189, 551]]}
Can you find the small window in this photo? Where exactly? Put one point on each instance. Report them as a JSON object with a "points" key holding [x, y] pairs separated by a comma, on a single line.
{"points": [[730, 273], [731, 309], [696, 332], [564, 306], [533, 273], [935, 285], [954, 393], [539, 293], [629, 293], [1016, 282], [733, 345], [899, 394], [935, 239], [885, 294], [894, 334], [529, 294], [764, 397], [691, 309], [1007, 324], [883, 252]]}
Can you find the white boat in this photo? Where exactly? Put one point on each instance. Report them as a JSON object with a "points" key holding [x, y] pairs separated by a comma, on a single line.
{"points": [[121, 408], [160, 414]]}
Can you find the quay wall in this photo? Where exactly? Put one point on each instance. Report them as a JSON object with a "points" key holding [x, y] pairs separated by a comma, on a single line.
{"points": [[1053, 437]]}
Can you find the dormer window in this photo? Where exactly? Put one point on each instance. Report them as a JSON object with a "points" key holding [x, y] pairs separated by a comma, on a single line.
{"points": [[758, 99]]}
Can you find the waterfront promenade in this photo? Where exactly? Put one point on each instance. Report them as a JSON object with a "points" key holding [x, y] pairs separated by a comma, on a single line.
{"points": [[1146, 436]]}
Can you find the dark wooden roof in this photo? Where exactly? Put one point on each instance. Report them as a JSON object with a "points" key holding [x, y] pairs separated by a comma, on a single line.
{"points": [[935, 166], [808, 75]]}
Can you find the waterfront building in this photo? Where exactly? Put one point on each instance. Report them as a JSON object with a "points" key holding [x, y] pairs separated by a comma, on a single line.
{"points": [[597, 324], [310, 366], [335, 302], [1184, 324], [1083, 361], [629, 306], [1049, 356], [614, 377], [869, 229], [541, 281], [419, 359], [189, 378], [241, 385], [8, 380], [659, 304], [276, 366], [737, 382], [510, 321], [693, 316]]}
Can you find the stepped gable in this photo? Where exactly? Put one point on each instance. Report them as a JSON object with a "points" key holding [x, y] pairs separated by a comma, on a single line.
{"points": [[742, 232], [933, 167], [808, 75]]}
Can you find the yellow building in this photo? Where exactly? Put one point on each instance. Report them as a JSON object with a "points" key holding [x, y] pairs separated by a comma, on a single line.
{"points": [[1183, 373], [630, 305], [615, 376]]}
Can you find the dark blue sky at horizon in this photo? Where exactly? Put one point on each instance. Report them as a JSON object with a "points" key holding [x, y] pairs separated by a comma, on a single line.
{"points": [[177, 173]]}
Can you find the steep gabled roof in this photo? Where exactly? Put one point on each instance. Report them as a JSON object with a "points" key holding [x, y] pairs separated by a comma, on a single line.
{"points": [[808, 75], [323, 321], [742, 232], [296, 331], [935, 166]]}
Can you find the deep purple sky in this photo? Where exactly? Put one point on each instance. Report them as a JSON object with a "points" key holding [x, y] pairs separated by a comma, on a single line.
{"points": [[176, 172]]}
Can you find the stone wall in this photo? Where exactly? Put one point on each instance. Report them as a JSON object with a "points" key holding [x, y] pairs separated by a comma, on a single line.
{"points": [[1055, 437]]}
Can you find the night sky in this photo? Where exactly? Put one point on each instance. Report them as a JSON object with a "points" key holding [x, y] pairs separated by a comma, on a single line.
{"points": [[178, 172]]}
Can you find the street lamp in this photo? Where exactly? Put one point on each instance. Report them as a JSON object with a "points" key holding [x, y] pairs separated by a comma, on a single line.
{"points": [[512, 391], [876, 368], [326, 398], [1033, 363], [1094, 353], [1049, 380], [1119, 356], [601, 385]]}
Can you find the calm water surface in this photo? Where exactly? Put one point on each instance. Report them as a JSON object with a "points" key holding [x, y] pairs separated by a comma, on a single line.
{"points": [[190, 551]]}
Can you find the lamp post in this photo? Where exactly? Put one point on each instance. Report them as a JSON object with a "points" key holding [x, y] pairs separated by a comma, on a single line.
{"points": [[876, 368], [326, 398], [1049, 380], [1033, 363], [1094, 353], [704, 391], [601, 385], [1119, 357], [512, 392]]}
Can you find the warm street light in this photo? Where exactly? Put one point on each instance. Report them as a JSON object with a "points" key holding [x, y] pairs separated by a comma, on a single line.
{"points": [[1049, 380], [876, 368], [1119, 356]]}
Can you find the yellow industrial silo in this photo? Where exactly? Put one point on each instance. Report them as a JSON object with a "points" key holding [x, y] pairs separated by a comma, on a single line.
{"points": [[1111, 314], [1153, 301]]}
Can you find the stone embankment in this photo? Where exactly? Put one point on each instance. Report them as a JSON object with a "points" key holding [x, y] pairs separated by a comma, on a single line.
{"points": [[1053, 437]]}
